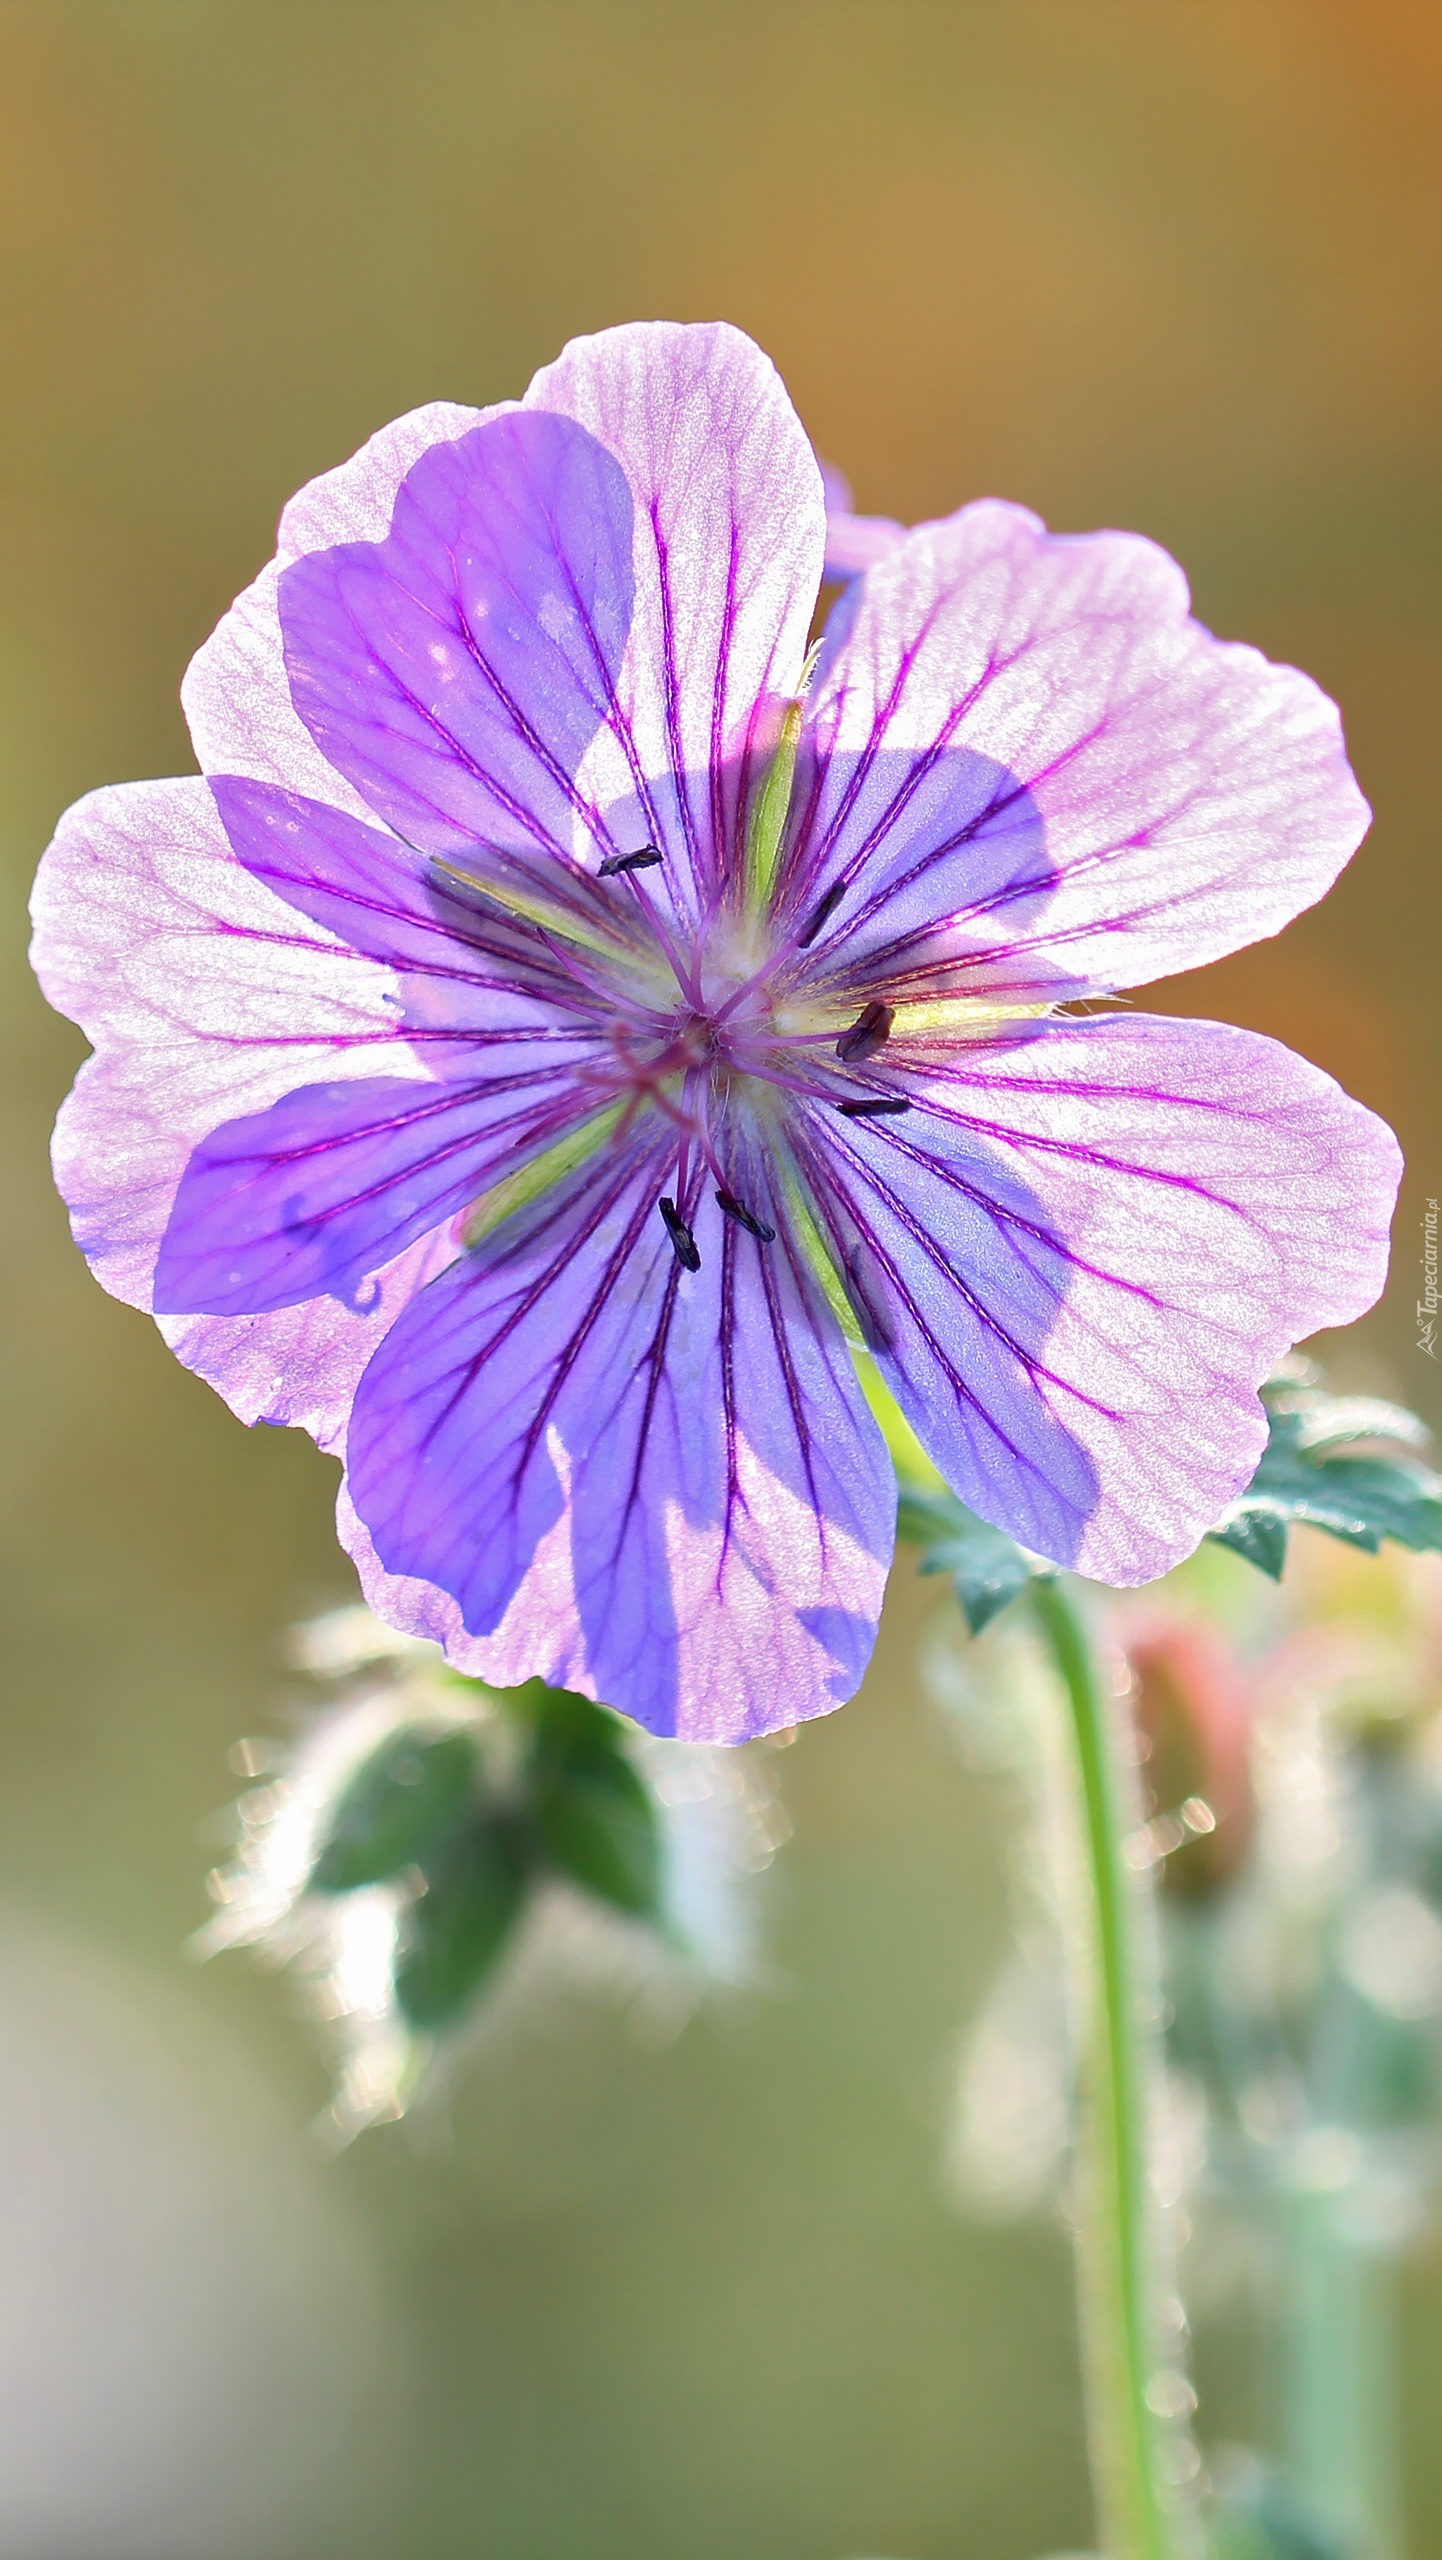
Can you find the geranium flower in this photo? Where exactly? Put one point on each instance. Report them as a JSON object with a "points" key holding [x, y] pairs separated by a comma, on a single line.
{"points": [[552, 1026]]}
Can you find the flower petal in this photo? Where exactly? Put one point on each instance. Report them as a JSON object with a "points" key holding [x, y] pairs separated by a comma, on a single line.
{"points": [[854, 543], [1191, 797], [724, 560], [473, 971], [204, 996], [236, 692], [300, 1366], [1084, 1249], [309, 1198], [457, 671], [572, 1459], [730, 534]]}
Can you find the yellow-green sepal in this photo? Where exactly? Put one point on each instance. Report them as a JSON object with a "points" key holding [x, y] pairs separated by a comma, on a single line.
{"points": [[529, 1182]]}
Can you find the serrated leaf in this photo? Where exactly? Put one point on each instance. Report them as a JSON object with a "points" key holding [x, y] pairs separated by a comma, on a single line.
{"points": [[458, 1929], [1326, 1421], [988, 1568], [400, 1804], [1259, 1536], [1307, 1473]]}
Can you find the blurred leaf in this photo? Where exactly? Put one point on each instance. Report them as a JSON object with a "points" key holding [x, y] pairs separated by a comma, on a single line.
{"points": [[457, 1930], [1256, 2517], [401, 1803], [988, 1568], [536, 1703], [595, 1816], [1306, 1473], [596, 1821], [1327, 1421], [569, 1726]]}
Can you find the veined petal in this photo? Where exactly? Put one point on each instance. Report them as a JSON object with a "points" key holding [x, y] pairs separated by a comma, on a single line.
{"points": [[660, 1487], [488, 952], [729, 541], [312, 1196], [300, 1366], [1188, 796], [457, 671], [875, 924], [236, 693], [1084, 1250], [205, 995]]}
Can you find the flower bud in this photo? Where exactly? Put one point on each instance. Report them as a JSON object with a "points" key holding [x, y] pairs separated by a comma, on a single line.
{"points": [[431, 1853], [1193, 1723]]}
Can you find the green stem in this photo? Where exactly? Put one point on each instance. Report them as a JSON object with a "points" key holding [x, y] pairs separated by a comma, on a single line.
{"points": [[1134, 2393]]}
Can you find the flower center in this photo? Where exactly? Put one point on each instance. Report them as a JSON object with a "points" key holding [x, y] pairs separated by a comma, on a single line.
{"points": [[694, 1043]]}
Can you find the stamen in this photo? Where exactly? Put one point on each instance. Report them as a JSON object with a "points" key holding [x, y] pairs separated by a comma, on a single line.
{"points": [[683, 1241], [876, 1107], [824, 908], [868, 1033], [644, 859], [745, 1217]]}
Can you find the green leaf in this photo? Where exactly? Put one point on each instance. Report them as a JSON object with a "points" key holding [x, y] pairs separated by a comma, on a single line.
{"points": [[988, 1568], [1258, 1535], [458, 1929], [1308, 1472], [595, 1817], [400, 1804], [535, 1703], [598, 1824]]}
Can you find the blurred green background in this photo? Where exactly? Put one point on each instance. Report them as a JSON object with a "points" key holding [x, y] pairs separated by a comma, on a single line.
{"points": [[1159, 263]]}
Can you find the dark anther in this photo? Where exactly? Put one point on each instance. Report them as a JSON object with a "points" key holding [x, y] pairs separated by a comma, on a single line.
{"points": [[642, 860], [823, 908], [867, 1033], [876, 1107], [745, 1217], [683, 1241]]}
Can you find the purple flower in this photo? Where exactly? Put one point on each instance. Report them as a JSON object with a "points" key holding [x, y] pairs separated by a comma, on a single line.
{"points": [[552, 1026]]}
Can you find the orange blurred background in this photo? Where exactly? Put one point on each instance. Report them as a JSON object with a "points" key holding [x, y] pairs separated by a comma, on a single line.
{"points": [[1169, 264]]}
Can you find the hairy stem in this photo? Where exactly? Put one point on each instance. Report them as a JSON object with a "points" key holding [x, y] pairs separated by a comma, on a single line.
{"points": [[1135, 2393]]}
